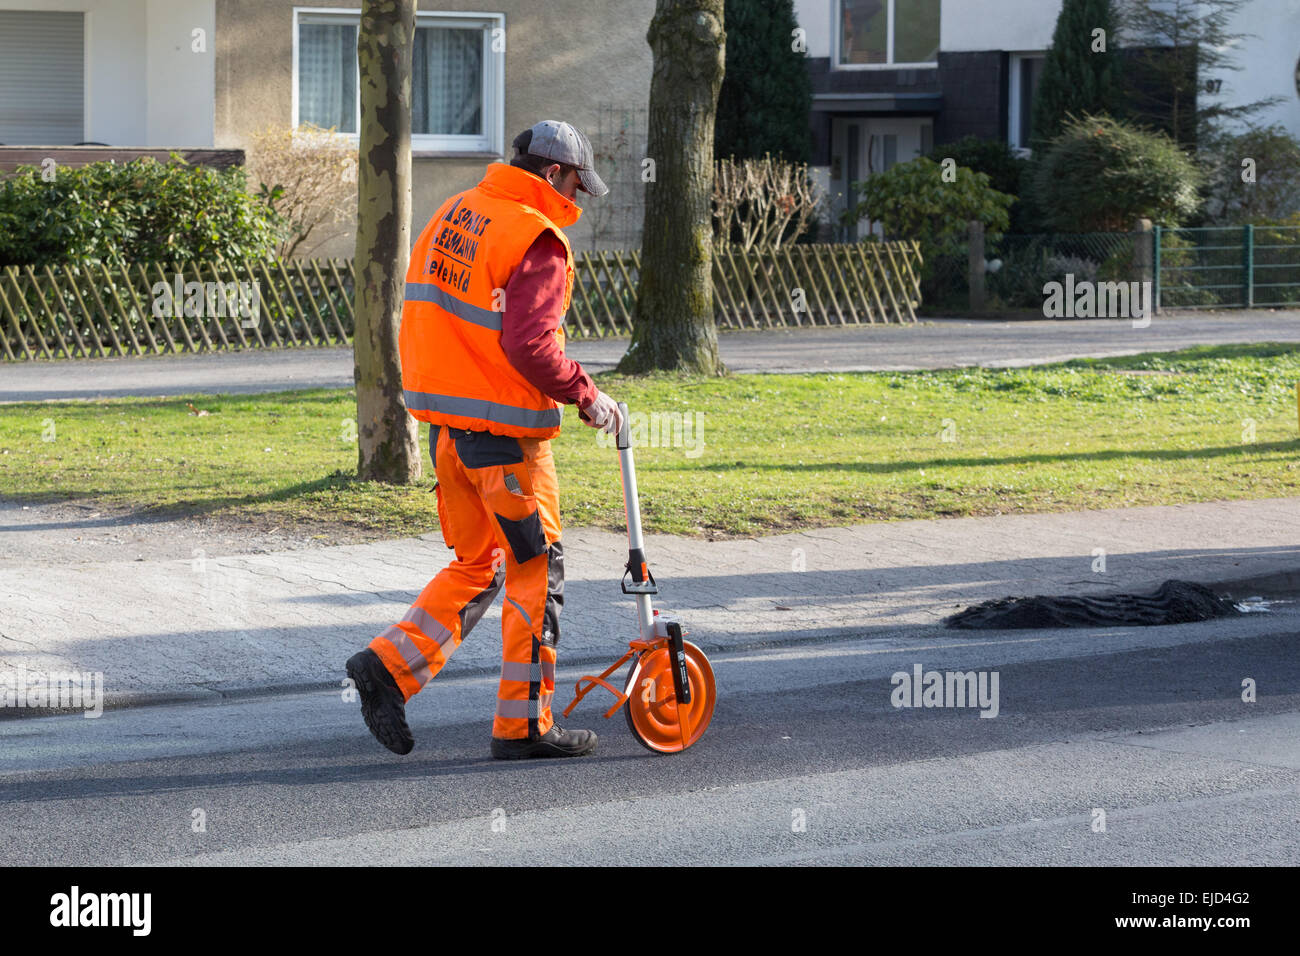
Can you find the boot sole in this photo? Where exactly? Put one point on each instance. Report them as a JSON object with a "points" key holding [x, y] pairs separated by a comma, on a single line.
{"points": [[535, 749], [386, 726]]}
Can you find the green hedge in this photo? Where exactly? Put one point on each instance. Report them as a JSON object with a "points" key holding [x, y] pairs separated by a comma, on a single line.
{"points": [[141, 211]]}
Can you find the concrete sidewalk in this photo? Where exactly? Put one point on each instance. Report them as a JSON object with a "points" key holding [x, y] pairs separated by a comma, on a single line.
{"points": [[234, 623]]}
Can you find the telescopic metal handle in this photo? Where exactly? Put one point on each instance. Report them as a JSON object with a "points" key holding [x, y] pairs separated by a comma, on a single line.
{"points": [[631, 501], [643, 582]]}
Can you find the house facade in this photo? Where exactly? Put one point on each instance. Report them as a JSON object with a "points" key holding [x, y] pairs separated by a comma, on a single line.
{"points": [[894, 78], [209, 74], [891, 79]]}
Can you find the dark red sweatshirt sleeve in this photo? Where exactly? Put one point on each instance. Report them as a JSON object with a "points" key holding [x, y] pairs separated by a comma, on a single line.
{"points": [[533, 306]]}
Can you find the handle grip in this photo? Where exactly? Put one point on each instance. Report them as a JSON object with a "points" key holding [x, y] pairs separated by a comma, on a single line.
{"points": [[622, 440]]}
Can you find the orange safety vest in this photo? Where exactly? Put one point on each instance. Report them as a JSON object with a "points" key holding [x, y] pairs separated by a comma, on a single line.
{"points": [[454, 370]]}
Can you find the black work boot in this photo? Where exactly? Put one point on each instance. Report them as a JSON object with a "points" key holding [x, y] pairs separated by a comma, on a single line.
{"points": [[556, 742], [382, 704]]}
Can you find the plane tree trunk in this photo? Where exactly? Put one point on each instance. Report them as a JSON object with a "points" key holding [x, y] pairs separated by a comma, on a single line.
{"points": [[388, 447], [673, 326]]}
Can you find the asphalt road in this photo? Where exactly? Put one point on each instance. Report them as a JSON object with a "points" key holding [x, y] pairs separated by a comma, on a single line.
{"points": [[806, 761], [937, 343]]}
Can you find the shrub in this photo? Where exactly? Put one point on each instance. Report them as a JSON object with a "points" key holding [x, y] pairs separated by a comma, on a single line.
{"points": [[992, 157], [141, 211], [309, 176], [996, 159], [1028, 262], [1019, 283], [1027, 267], [912, 201], [1275, 192], [1100, 175], [1083, 270], [760, 203]]}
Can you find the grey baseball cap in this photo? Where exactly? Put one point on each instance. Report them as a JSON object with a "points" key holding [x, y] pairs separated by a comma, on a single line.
{"points": [[565, 144]]}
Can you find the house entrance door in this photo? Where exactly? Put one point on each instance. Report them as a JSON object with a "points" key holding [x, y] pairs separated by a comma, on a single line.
{"points": [[869, 145]]}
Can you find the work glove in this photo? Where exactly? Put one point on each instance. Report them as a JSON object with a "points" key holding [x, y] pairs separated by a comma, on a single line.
{"points": [[602, 413]]}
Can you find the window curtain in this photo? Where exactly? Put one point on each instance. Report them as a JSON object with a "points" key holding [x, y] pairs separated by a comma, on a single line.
{"points": [[447, 82], [327, 75]]}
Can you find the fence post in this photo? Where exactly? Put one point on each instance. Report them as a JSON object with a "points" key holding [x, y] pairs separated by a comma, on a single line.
{"points": [[975, 246], [1155, 269], [1143, 253], [1248, 266]]}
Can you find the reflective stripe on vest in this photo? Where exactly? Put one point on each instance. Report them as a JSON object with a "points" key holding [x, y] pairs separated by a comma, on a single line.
{"points": [[480, 408], [428, 292]]}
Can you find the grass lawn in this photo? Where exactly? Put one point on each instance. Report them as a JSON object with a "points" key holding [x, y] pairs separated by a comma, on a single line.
{"points": [[774, 452]]}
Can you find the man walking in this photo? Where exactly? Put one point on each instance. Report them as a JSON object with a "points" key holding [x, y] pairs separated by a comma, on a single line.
{"points": [[482, 350]]}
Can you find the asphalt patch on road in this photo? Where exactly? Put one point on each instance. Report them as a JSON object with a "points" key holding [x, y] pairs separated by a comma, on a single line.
{"points": [[1174, 602]]}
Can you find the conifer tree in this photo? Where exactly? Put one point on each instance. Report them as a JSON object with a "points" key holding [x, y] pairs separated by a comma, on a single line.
{"points": [[766, 94], [1081, 71]]}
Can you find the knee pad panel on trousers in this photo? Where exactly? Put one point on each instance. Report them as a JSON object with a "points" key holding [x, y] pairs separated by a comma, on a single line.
{"points": [[477, 606], [525, 536], [554, 594]]}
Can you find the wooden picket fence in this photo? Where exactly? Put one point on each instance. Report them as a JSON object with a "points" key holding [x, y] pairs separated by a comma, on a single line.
{"points": [[85, 310], [799, 285]]}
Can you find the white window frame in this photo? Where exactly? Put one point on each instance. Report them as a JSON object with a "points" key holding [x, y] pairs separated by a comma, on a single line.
{"points": [[492, 141], [1013, 98], [837, 32]]}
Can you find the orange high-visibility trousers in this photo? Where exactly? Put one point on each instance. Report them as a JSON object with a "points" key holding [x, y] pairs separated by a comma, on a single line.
{"points": [[499, 508]]}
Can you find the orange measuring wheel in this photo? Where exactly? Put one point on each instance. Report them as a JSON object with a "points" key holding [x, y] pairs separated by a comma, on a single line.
{"points": [[669, 693], [654, 715]]}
